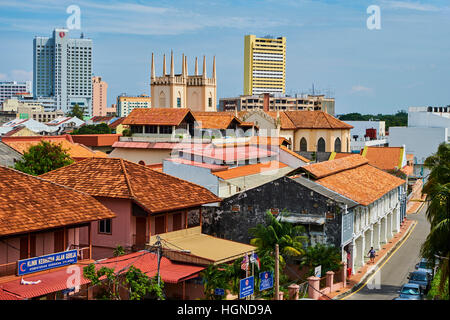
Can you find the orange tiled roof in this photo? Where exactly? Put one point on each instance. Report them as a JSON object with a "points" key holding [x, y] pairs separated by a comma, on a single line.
{"points": [[384, 158], [295, 154], [326, 168], [248, 170], [156, 116], [75, 150], [30, 204], [300, 119], [277, 141], [215, 120], [363, 184], [117, 178], [96, 140], [116, 123], [340, 155]]}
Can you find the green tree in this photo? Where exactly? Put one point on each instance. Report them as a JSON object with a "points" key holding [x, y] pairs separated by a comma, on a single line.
{"points": [[141, 286], [118, 251], [329, 257], [437, 190], [42, 158], [76, 111], [399, 119], [215, 277], [101, 128], [290, 239]]}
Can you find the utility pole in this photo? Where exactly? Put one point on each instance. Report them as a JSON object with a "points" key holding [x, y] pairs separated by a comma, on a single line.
{"points": [[277, 272], [158, 244]]}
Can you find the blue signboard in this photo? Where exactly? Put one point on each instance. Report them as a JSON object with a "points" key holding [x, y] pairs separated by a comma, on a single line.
{"points": [[46, 262], [246, 287], [266, 280], [219, 292]]}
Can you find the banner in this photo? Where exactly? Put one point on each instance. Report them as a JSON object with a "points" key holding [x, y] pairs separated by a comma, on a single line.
{"points": [[46, 262]]}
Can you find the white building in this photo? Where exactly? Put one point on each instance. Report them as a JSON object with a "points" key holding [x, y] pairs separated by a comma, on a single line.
{"points": [[427, 128], [358, 138], [62, 68], [9, 89]]}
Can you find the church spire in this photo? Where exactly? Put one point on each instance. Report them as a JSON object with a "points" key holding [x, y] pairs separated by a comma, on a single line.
{"points": [[214, 68], [204, 67], [172, 67], [196, 66], [164, 65], [153, 76]]}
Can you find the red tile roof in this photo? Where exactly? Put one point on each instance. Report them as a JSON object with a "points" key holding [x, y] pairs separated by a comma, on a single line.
{"points": [[384, 158], [215, 120], [157, 116], [76, 151], [326, 168], [147, 262], [30, 204], [229, 153], [250, 169], [308, 120], [117, 178], [116, 123]]}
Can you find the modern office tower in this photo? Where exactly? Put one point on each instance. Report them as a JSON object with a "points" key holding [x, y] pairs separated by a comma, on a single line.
{"points": [[99, 97], [264, 65], [195, 91], [62, 69], [9, 89], [125, 104]]}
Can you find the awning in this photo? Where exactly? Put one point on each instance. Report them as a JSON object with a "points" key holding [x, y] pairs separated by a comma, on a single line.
{"points": [[191, 245]]}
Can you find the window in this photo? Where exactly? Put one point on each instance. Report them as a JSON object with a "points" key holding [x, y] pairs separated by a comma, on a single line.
{"points": [[104, 226], [321, 145], [151, 129], [209, 102], [337, 145], [303, 145], [179, 102], [165, 129]]}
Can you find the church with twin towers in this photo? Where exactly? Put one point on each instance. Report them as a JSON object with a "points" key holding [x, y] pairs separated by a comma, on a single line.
{"points": [[196, 92]]}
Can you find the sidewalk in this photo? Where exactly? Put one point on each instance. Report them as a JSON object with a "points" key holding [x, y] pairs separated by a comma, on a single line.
{"points": [[417, 205], [363, 273]]}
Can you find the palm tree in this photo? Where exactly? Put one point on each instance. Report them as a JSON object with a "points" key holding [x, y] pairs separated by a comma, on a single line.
{"points": [[214, 277], [437, 190], [290, 238]]}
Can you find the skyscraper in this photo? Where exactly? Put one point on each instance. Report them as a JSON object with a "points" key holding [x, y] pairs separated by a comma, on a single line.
{"points": [[62, 69], [264, 65], [99, 97]]}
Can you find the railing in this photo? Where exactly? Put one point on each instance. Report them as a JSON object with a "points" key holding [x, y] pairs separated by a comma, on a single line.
{"points": [[83, 252]]}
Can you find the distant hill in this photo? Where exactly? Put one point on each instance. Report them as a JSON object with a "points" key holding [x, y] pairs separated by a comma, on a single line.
{"points": [[400, 119]]}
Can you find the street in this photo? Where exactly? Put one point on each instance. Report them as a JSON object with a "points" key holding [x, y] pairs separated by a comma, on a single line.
{"points": [[393, 274]]}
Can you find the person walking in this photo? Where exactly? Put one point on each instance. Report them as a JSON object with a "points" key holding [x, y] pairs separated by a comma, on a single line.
{"points": [[372, 255]]}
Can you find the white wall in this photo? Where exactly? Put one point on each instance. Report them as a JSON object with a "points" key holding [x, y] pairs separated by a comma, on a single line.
{"points": [[422, 142], [428, 119]]}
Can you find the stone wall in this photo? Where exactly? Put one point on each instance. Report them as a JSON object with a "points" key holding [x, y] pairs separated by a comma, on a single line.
{"points": [[237, 214]]}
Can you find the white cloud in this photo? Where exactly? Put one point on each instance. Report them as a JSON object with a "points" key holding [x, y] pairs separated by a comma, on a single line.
{"points": [[409, 5], [361, 89], [17, 75]]}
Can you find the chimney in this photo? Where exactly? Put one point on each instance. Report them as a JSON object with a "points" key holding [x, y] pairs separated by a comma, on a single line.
{"points": [[266, 101]]}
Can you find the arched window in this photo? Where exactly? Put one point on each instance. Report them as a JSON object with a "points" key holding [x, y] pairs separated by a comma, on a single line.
{"points": [[321, 145], [337, 145], [162, 99], [303, 145]]}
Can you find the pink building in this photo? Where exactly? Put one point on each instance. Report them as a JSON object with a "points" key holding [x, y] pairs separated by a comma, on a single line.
{"points": [[39, 217], [99, 98], [146, 202]]}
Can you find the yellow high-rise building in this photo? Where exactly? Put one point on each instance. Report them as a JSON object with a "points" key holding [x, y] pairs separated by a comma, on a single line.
{"points": [[264, 65]]}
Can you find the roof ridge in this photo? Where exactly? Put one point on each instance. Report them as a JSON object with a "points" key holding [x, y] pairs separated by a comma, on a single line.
{"points": [[325, 115], [127, 179]]}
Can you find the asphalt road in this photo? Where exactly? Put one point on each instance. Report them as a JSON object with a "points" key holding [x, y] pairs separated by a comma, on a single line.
{"points": [[393, 273]]}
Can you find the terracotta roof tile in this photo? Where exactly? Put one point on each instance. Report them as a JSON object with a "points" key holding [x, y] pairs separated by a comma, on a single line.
{"points": [[156, 116], [384, 158], [215, 120], [116, 178], [75, 150], [326, 168], [30, 203], [363, 184], [300, 119], [285, 122], [250, 169]]}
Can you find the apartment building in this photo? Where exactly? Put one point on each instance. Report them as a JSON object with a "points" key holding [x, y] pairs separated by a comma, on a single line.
{"points": [[126, 104], [9, 89], [264, 65]]}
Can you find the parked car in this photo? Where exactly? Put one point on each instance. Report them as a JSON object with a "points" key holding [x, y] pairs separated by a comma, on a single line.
{"points": [[422, 278], [410, 291], [423, 265]]}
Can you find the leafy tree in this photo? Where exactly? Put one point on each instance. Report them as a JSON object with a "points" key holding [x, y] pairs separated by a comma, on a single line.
{"points": [[437, 190], [290, 239], [118, 251], [126, 133], [329, 257], [101, 128], [140, 285], [42, 158], [400, 119], [216, 276], [77, 111]]}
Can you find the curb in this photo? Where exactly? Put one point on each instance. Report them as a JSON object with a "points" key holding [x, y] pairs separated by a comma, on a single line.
{"points": [[418, 209], [375, 268]]}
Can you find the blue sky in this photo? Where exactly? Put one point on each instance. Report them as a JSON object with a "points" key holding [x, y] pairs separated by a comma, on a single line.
{"points": [[405, 63]]}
